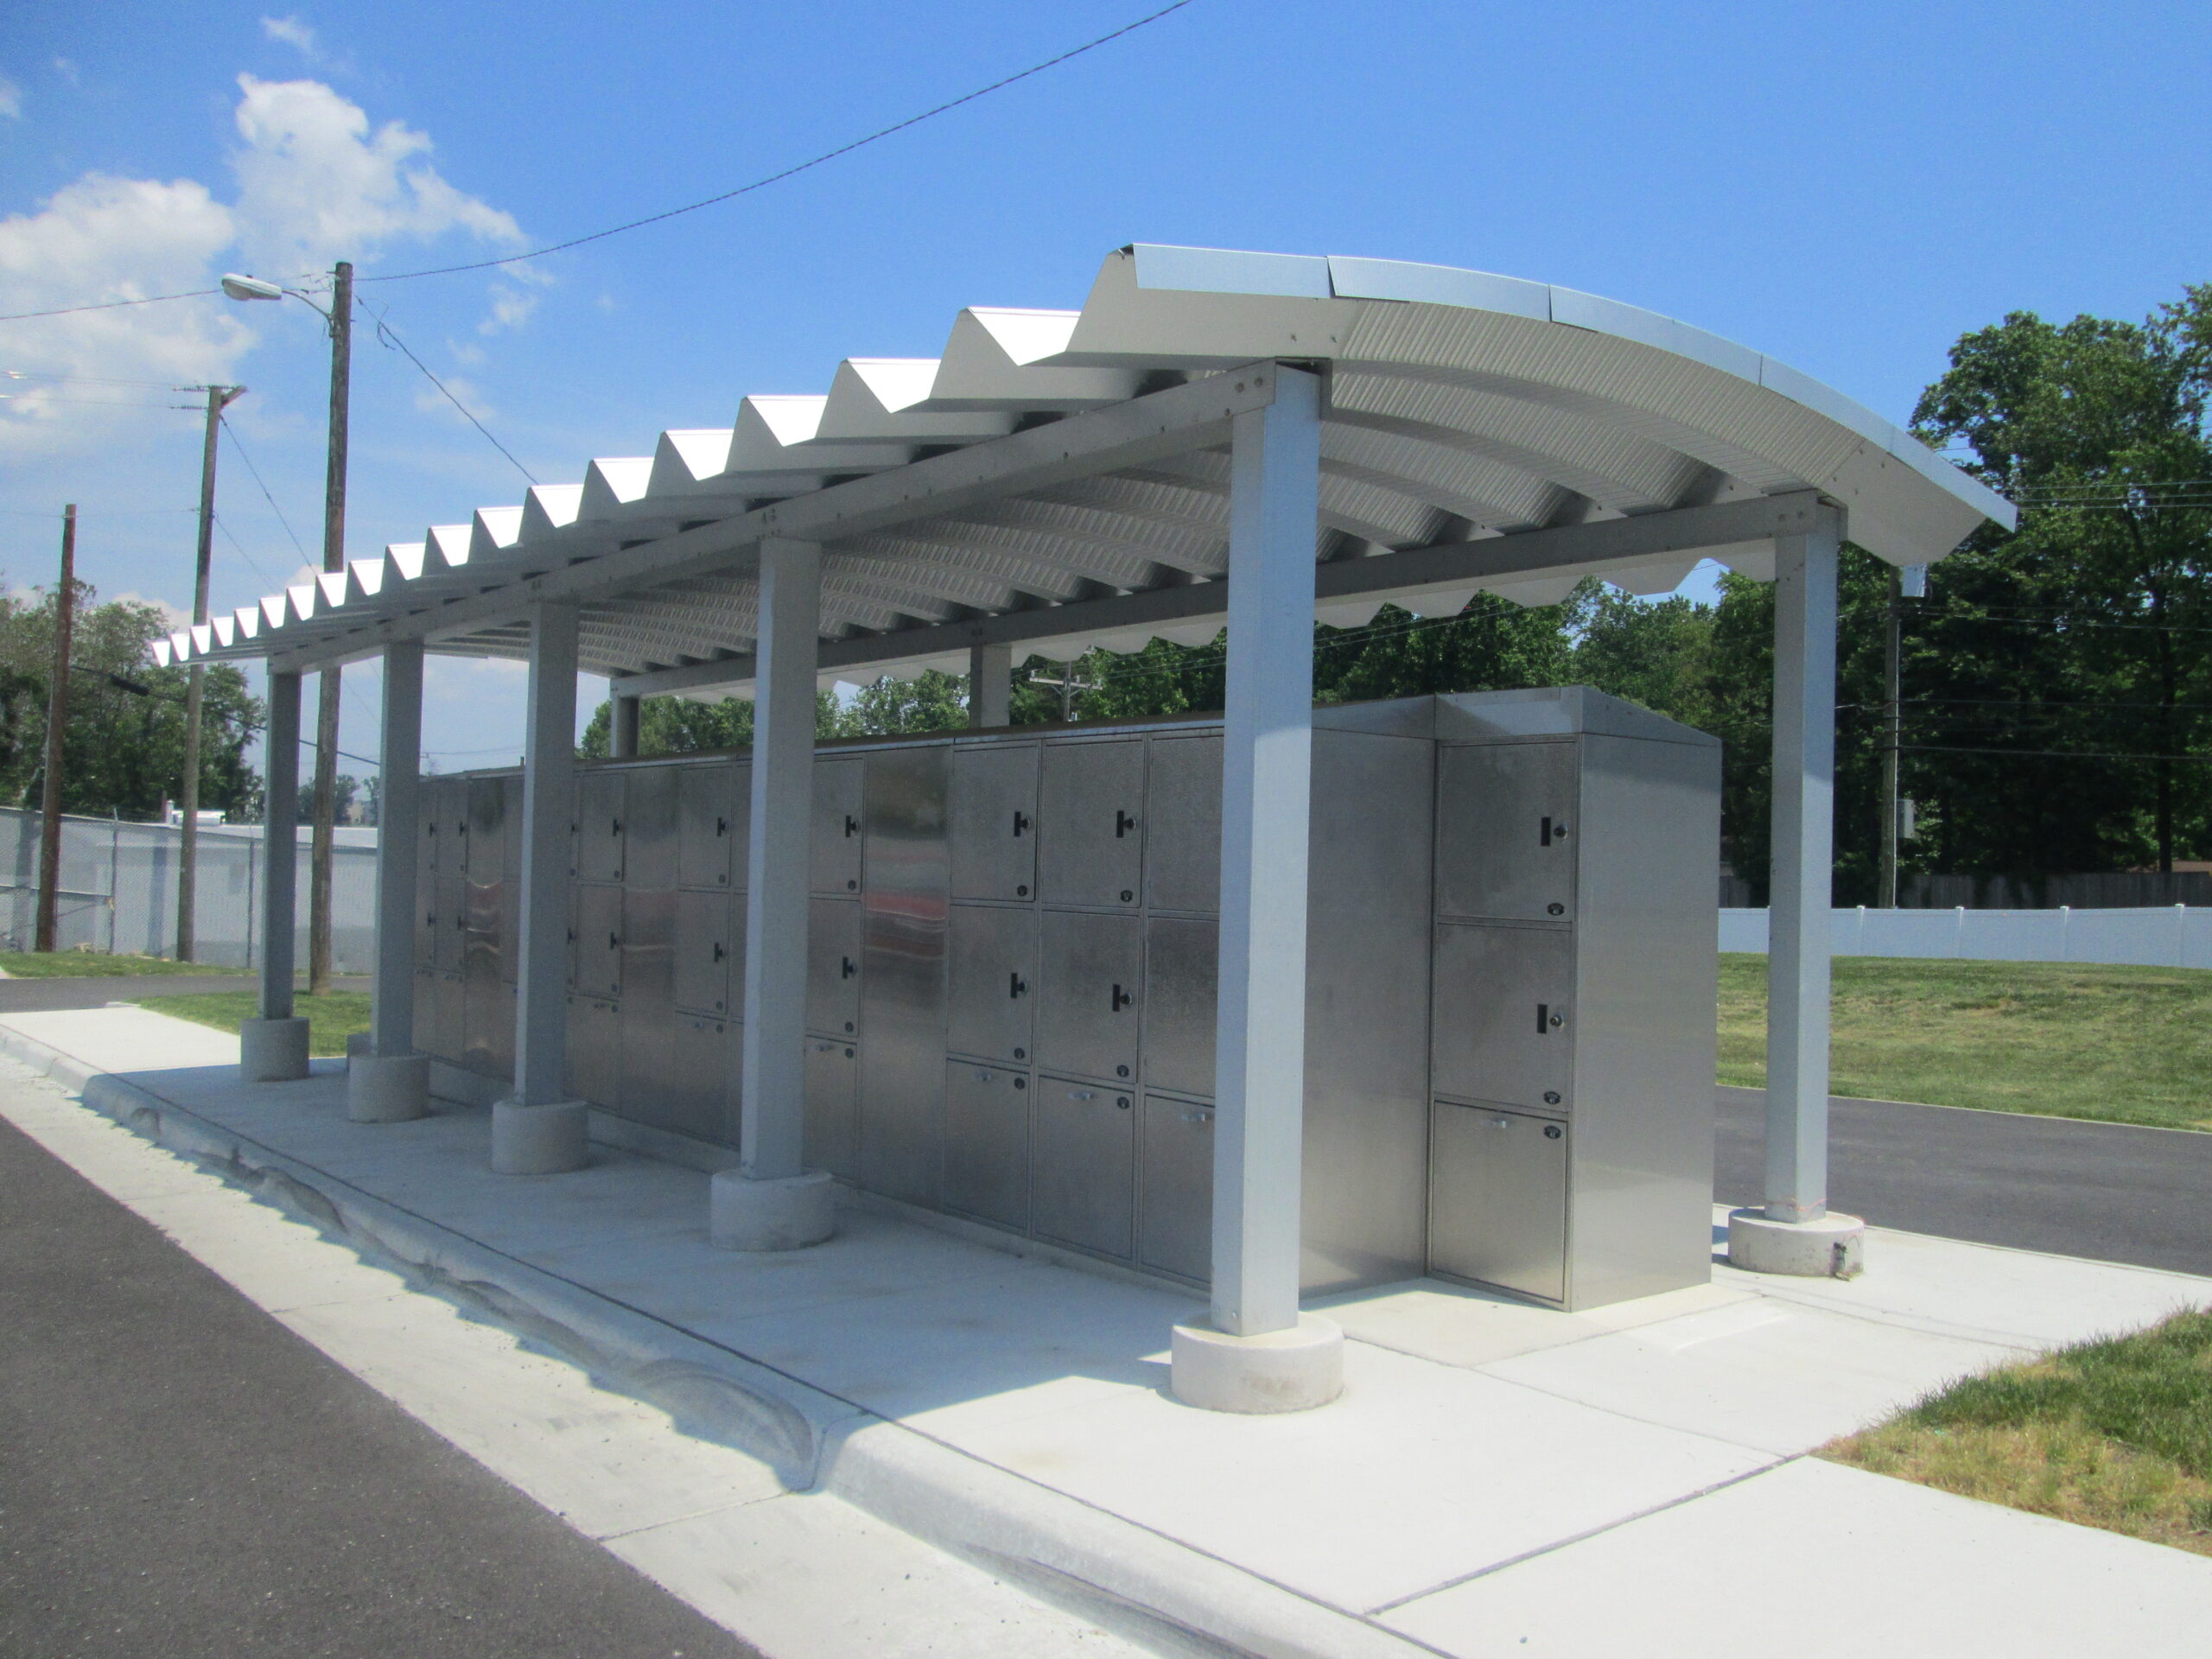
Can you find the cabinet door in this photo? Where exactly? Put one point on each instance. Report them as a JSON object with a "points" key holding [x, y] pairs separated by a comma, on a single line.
{"points": [[986, 1142], [1503, 1026], [1497, 1199], [832, 1138], [1506, 831], [599, 941], [706, 825], [993, 821], [598, 826], [1082, 1185], [649, 828], [1182, 960], [451, 907], [1183, 839], [1091, 823], [698, 1093], [595, 1061], [702, 952], [991, 982], [1089, 983], [833, 968], [836, 855], [1176, 1235]]}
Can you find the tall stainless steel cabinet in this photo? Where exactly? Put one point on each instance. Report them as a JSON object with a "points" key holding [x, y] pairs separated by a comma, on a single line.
{"points": [[1571, 1033]]}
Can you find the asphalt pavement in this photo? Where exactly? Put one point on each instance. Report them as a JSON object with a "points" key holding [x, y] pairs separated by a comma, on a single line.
{"points": [[2111, 1191], [97, 991], [179, 1475]]}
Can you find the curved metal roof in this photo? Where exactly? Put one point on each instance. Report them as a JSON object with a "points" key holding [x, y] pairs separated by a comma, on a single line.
{"points": [[1059, 478]]}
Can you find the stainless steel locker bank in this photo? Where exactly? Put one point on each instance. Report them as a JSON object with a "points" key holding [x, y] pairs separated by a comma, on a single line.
{"points": [[1011, 980]]}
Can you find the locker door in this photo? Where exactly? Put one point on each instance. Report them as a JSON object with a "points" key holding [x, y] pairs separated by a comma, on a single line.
{"points": [[1176, 1231], [648, 984], [1183, 839], [511, 884], [992, 821], [1083, 1186], [833, 968], [832, 1138], [1091, 823], [1497, 1199], [702, 952], [709, 833], [991, 982], [986, 1142], [1506, 831], [1182, 960], [598, 826], [1090, 994], [598, 942], [426, 876], [595, 1051], [649, 828], [697, 1102], [1504, 1028], [837, 860]]}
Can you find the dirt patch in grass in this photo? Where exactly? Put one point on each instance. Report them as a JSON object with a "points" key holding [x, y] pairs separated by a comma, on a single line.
{"points": [[97, 965], [2115, 1433], [2064, 1039], [332, 1018]]}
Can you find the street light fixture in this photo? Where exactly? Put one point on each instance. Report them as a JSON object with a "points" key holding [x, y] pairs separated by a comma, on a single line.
{"points": [[250, 288]]}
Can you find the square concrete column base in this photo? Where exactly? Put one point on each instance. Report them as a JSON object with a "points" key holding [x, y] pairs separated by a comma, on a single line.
{"points": [[1282, 1371], [272, 1050], [539, 1140], [788, 1214], [387, 1088], [1834, 1247]]}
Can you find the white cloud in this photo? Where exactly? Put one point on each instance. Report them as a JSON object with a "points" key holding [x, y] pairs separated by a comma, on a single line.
{"points": [[67, 68], [431, 401], [11, 100], [292, 32], [511, 309], [174, 617]]}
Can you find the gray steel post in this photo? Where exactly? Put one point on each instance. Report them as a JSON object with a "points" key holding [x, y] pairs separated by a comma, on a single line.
{"points": [[1802, 865], [622, 728], [990, 685], [548, 801], [280, 833], [772, 1136], [400, 764], [1266, 762]]}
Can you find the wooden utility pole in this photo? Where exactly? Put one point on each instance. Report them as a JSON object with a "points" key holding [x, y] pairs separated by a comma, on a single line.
{"points": [[1885, 884], [334, 558], [57, 720], [219, 398]]}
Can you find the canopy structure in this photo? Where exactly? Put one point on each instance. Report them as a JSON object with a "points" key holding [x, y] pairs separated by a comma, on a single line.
{"points": [[1059, 480]]}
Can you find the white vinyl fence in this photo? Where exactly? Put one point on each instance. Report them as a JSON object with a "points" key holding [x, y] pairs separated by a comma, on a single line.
{"points": [[118, 892], [2170, 935]]}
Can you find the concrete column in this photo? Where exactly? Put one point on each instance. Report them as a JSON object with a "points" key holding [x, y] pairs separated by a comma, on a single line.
{"points": [[273, 1047], [1259, 1355], [622, 729], [390, 1083], [990, 685], [539, 1130], [1793, 1232], [772, 1201]]}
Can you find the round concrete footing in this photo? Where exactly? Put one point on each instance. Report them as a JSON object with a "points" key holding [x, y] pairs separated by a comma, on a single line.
{"points": [[359, 1043], [1283, 1370], [272, 1050], [387, 1088], [1834, 1247], [539, 1140], [790, 1214]]}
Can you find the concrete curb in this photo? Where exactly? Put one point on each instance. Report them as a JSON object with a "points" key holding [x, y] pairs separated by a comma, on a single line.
{"points": [[1143, 1587]]}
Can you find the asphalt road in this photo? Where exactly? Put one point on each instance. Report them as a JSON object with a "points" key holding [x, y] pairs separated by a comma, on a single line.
{"points": [[181, 1475], [24, 995], [2109, 1190]]}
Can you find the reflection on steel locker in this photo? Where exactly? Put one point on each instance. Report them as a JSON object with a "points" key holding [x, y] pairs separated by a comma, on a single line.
{"points": [[699, 1078], [832, 1138], [703, 952], [1083, 1180], [595, 1051], [833, 967], [836, 857], [1497, 1198], [598, 826], [710, 826], [986, 1142], [1507, 817], [992, 822], [991, 982], [1089, 977], [1504, 1028], [599, 941], [1176, 1232], [1091, 823], [1182, 960], [1183, 834]]}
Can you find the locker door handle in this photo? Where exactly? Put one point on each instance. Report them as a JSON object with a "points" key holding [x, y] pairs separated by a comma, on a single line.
{"points": [[852, 826], [1122, 999], [1552, 829], [614, 826], [1020, 823], [1204, 1115], [1016, 986], [1082, 1094], [1122, 823], [720, 952], [721, 827], [1548, 1021], [613, 942], [848, 968]]}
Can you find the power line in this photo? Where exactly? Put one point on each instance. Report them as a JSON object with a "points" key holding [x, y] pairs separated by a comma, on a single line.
{"points": [[83, 379], [801, 167], [385, 334], [111, 305], [243, 554], [239, 443]]}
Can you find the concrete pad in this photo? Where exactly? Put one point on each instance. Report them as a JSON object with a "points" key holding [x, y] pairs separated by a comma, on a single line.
{"points": [[1456, 1324], [1830, 1563], [1420, 1474], [127, 1039], [1759, 1373]]}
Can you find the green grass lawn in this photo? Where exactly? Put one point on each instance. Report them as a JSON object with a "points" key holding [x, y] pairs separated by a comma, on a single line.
{"points": [[332, 1018], [94, 964], [2114, 1433], [2125, 1045]]}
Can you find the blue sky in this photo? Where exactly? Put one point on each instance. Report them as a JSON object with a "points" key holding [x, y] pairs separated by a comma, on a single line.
{"points": [[1849, 187]]}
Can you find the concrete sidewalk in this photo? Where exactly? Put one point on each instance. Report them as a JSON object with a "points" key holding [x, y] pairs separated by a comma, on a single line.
{"points": [[1498, 1478]]}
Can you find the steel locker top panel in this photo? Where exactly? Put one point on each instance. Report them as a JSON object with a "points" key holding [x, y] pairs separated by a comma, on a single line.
{"points": [[710, 826], [992, 817], [1175, 1224], [1507, 830], [1183, 839], [1091, 823], [833, 967], [1090, 994], [986, 1142], [1497, 1204], [1182, 961], [599, 825], [991, 982], [1504, 1028], [704, 955], [649, 827], [837, 826]]}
